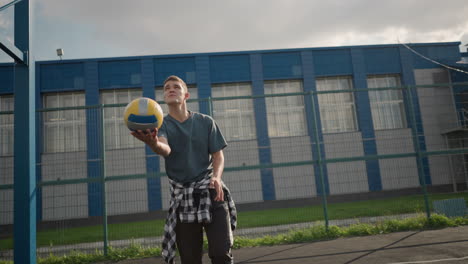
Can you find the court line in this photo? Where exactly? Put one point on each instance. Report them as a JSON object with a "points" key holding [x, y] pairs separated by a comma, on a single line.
{"points": [[430, 261], [382, 248], [258, 260]]}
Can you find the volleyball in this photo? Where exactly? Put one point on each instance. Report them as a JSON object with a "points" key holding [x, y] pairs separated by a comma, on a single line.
{"points": [[142, 114]]}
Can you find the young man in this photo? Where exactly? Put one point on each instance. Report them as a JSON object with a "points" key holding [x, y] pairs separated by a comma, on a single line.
{"points": [[192, 146]]}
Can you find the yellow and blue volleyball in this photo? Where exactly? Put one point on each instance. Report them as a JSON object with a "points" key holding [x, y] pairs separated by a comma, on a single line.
{"points": [[143, 113]]}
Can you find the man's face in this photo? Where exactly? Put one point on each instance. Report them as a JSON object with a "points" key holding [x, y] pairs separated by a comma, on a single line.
{"points": [[174, 92]]}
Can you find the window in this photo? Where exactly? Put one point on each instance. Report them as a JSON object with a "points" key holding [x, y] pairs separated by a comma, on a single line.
{"points": [[6, 125], [64, 130], [192, 106], [285, 114], [386, 105], [337, 110], [116, 132], [235, 118]]}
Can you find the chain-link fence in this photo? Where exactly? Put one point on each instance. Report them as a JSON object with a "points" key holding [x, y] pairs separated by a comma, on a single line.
{"points": [[328, 157]]}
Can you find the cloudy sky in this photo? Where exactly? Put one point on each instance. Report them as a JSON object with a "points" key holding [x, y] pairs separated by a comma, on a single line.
{"points": [[110, 28]]}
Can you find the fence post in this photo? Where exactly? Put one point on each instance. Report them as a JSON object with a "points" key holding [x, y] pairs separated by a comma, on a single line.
{"points": [[414, 130], [103, 180], [210, 106], [319, 161]]}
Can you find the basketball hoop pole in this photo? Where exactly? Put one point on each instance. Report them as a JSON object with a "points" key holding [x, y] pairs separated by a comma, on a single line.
{"points": [[10, 4], [9, 48], [24, 140], [12, 50]]}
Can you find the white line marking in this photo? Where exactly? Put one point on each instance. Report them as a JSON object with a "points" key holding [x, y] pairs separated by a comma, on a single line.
{"points": [[430, 261]]}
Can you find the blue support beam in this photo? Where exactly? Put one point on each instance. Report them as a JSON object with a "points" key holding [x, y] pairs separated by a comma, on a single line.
{"points": [[308, 69], [364, 114], [202, 66], [10, 4], [25, 144], [12, 50], [39, 144], [94, 140], [152, 159], [263, 140]]}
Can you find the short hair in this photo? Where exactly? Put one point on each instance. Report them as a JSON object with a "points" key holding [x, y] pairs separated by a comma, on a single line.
{"points": [[176, 79]]}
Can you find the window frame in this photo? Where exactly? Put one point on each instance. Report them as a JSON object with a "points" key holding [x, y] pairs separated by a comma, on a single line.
{"points": [[230, 109], [400, 102], [346, 106], [290, 105], [57, 123], [113, 119], [7, 125]]}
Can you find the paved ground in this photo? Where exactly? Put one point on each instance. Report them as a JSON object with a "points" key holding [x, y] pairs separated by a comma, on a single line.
{"points": [[244, 232], [448, 245]]}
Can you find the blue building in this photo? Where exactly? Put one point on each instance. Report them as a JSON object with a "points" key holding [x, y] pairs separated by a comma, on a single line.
{"points": [[260, 130]]}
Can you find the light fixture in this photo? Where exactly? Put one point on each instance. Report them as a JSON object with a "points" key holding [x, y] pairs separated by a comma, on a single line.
{"points": [[60, 53]]}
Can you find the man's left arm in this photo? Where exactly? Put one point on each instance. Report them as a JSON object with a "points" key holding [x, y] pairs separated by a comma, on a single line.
{"points": [[218, 167]]}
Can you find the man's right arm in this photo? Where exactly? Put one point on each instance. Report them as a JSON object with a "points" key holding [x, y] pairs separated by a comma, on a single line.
{"points": [[159, 145]]}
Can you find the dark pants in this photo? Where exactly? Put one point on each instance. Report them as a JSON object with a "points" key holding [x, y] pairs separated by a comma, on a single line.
{"points": [[219, 234]]}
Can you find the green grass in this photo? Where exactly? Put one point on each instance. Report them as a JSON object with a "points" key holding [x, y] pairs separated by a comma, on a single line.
{"points": [[316, 233], [66, 236], [134, 251], [380, 207]]}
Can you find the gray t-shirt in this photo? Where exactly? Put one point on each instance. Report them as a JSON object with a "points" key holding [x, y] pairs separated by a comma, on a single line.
{"points": [[191, 142]]}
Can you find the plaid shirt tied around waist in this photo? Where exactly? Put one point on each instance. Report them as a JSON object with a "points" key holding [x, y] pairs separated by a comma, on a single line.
{"points": [[182, 206]]}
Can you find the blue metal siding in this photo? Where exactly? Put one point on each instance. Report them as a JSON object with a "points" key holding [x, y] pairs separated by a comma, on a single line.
{"points": [[233, 68], [182, 67], [205, 69], [285, 65], [382, 60], [332, 62], [120, 74], [61, 77], [443, 54], [6, 80], [309, 86], [263, 141]]}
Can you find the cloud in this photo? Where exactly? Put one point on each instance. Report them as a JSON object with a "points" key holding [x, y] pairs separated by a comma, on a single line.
{"points": [[6, 23], [6, 30], [464, 40], [103, 28]]}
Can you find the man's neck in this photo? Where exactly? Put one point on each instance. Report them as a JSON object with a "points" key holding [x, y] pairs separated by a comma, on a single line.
{"points": [[179, 112]]}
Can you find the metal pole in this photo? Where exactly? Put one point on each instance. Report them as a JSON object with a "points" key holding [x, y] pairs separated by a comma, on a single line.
{"points": [[25, 190], [464, 164], [103, 178], [320, 163], [419, 156], [210, 106], [9, 4], [452, 171]]}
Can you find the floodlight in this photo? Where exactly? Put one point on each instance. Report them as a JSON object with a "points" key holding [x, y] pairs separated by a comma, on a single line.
{"points": [[60, 53]]}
